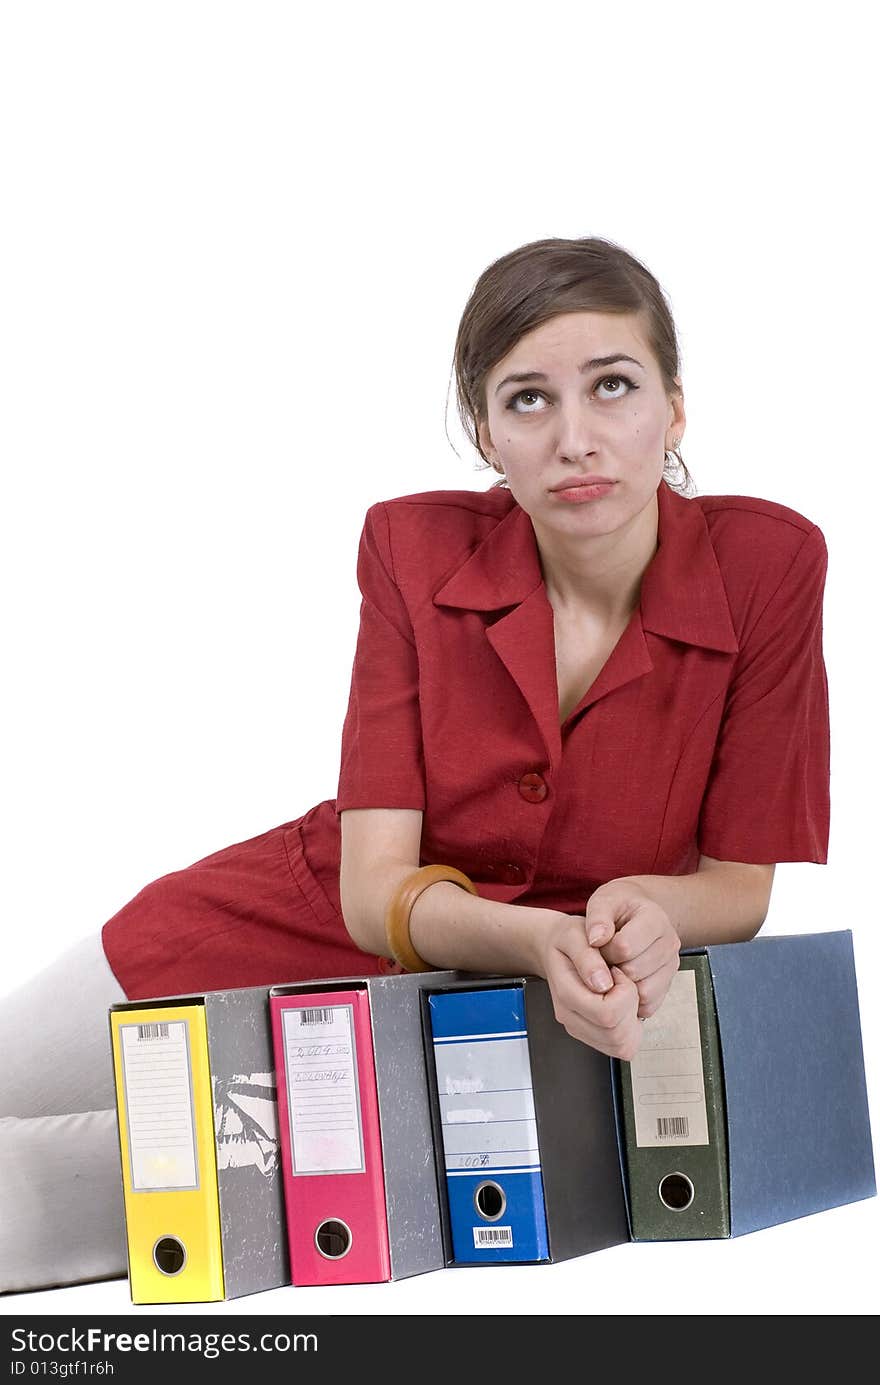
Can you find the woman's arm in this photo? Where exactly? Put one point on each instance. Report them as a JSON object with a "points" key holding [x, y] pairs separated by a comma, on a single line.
{"points": [[453, 929], [723, 902]]}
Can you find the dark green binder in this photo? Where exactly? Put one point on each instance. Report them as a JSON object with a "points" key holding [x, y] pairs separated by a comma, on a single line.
{"points": [[678, 1189]]}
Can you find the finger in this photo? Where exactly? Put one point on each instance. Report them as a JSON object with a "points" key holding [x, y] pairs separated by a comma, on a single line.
{"points": [[600, 918], [607, 1023], [599, 979], [616, 1006], [573, 1000], [658, 957], [587, 961], [653, 991], [576, 1007], [600, 933], [635, 937], [621, 1042], [622, 981]]}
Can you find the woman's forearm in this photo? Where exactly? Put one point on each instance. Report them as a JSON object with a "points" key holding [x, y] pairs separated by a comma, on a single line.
{"points": [[722, 902], [449, 927], [452, 928]]}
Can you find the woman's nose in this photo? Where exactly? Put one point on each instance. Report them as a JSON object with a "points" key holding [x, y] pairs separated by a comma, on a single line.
{"points": [[576, 430]]}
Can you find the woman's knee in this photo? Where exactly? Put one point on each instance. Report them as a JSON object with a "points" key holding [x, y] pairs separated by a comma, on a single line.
{"points": [[61, 1208]]}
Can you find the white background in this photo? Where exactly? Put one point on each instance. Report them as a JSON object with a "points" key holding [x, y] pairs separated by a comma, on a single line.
{"points": [[236, 243]]}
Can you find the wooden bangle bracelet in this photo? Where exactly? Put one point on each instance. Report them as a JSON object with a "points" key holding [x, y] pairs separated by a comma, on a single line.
{"points": [[400, 907]]}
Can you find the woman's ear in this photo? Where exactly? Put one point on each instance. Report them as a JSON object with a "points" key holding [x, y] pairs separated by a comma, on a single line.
{"points": [[679, 418], [487, 446]]}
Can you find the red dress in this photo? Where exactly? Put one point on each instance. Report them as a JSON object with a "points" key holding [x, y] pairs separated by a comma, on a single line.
{"points": [[706, 731]]}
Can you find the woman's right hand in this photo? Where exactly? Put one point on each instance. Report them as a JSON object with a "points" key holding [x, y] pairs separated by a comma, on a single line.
{"points": [[606, 1020]]}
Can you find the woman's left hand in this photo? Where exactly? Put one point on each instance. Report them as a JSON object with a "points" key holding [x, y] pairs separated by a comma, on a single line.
{"points": [[635, 934]]}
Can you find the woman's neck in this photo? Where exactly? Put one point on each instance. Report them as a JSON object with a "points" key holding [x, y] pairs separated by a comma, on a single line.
{"points": [[602, 575]]}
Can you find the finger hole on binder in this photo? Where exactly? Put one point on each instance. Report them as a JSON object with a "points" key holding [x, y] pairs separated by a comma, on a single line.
{"points": [[676, 1191], [490, 1201], [333, 1239], [169, 1255]]}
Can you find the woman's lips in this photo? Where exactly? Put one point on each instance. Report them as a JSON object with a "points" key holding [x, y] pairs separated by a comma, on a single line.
{"points": [[580, 492]]}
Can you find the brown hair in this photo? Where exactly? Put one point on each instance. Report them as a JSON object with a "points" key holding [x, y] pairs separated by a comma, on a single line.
{"points": [[539, 281]]}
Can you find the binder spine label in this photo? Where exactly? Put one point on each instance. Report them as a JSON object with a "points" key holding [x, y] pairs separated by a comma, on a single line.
{"points": [[157, 1073], [326, 1133], [669, 1095], [488, 1120]]}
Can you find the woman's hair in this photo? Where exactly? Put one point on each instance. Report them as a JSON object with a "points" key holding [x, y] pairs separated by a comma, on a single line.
{"points": [[540, 280]]}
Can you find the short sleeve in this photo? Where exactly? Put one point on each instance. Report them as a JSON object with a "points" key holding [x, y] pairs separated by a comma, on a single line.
{"points": [[767, 796], [382, 762]]}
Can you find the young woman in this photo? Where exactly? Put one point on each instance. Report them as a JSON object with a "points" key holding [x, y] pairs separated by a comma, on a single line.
{"points": [[597, 706]]}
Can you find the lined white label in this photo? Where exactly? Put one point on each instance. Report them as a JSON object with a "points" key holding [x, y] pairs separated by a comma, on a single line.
{"points": [[322, 1090], [669, 1096], [485, 1236], [487, 1106], [159, 1106]]}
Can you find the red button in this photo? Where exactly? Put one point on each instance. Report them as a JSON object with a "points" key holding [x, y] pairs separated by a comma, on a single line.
{"points": [[388, 967], [501, 873], [533, 788]]}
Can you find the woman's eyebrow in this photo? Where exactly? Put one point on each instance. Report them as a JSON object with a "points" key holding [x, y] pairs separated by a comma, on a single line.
{"points": [[585, 365]]}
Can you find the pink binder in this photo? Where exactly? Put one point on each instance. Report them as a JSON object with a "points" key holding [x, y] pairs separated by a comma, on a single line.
{"points": [[331, 1147]]}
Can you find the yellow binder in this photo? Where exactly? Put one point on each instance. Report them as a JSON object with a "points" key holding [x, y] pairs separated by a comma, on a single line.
{"points": [[169, 1162]]}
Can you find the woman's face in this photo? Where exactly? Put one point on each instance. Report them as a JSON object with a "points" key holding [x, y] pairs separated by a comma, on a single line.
{"points": [[586, 404]]}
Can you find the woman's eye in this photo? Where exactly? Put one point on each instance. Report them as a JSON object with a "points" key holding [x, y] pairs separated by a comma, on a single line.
{"points": [[523, 394], [617, 381]]}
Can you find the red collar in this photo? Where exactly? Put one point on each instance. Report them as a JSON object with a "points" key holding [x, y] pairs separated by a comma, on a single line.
{"points": [[682, 596]]}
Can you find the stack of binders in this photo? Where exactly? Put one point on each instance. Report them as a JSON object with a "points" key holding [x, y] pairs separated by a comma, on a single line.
{"points": [[746, 1105], [440, 1119]]}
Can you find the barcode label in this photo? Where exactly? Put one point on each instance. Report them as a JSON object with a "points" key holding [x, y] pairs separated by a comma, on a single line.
{"points": [[319, 1016], [152, 1031], [668, 1087], [672, 1128], [493, 1236]]}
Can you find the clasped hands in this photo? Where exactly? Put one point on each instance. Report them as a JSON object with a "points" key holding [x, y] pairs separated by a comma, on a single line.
{"points": [[609, 968]]}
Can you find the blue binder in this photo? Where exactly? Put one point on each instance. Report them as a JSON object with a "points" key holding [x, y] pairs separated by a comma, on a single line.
{"points": [[799, 1134], [525, 1119], [495, 1146]]}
